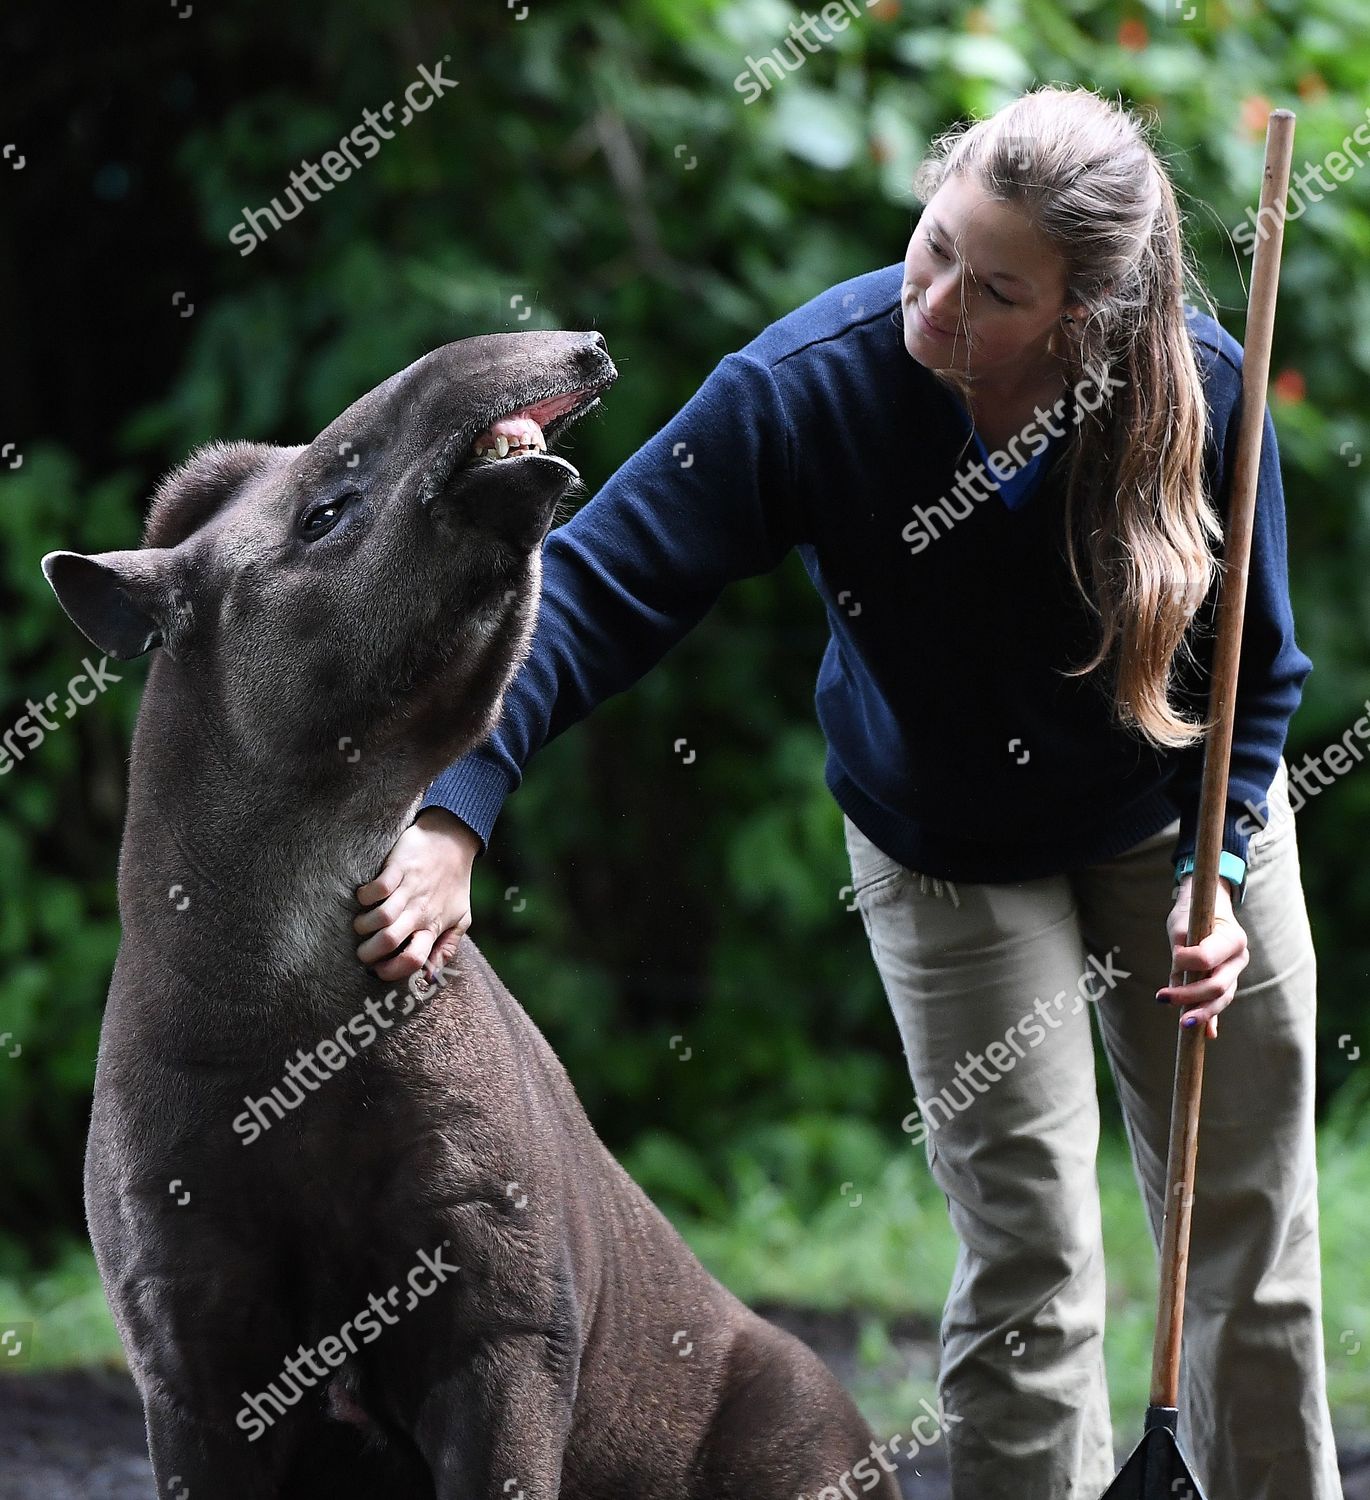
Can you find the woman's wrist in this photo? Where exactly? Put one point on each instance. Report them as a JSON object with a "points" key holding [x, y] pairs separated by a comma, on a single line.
{"points": [[440, 820], [1188, 879]]}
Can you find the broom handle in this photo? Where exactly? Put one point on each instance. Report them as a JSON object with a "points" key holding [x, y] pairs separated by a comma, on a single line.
{"points": [[1189, 1060]]}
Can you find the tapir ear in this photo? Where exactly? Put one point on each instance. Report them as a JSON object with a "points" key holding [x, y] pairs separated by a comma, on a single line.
{"points": [[123, 602]]}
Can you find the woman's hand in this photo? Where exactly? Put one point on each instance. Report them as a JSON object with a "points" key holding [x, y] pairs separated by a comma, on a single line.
{"points": [[1213, 965], [424, 896]]}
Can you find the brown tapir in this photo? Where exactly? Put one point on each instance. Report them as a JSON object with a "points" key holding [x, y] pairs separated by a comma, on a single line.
{"points": [[360, 1240]]}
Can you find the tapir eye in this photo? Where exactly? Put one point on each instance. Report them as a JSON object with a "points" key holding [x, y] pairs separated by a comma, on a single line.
{"points": [[320, 519]]}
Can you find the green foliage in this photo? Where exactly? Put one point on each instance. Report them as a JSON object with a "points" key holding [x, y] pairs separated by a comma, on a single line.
{"points": [[59, 829], [58, 1309]]}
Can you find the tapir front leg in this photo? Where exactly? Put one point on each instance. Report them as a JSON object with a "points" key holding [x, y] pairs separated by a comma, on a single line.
{"points": [[204, 1326], [495, 1426], [199, 1460]]}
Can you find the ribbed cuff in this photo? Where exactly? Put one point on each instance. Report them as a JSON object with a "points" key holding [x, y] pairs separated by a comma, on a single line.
{"points": [[473, 789]]}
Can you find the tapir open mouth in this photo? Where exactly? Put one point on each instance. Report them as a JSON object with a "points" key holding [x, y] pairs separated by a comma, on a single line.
{"points": [[529, 430]]}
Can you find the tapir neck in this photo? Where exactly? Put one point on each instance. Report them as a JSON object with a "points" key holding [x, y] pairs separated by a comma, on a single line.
{"points": [[245, 876]]}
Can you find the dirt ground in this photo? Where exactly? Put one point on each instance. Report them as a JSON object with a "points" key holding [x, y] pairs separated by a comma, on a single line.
{"points": [[78, 1435]]}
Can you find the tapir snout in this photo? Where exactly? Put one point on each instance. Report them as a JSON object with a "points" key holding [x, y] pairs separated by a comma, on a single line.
{"points": [[333, 572]]}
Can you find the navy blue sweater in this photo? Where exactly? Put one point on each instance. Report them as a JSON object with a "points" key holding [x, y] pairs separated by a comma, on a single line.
{"points": [[953, 742]]}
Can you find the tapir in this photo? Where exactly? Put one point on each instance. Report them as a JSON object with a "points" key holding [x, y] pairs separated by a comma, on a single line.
{"points": [[360, 1239]]}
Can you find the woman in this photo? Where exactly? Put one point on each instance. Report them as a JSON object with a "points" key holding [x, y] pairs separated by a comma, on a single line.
{"points": [[1004, 698]]}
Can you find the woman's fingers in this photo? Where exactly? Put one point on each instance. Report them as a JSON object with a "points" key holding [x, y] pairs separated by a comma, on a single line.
{"points": [[384, 914], [1206, 998], [446, 946], [1201, 985], [395, 932], [1204, 1016], [402, 965], [385, 884], [1222, 943], [1207, 987]]}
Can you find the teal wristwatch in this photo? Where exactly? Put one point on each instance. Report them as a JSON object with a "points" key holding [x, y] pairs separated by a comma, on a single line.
{"points": [[1233, 866]]}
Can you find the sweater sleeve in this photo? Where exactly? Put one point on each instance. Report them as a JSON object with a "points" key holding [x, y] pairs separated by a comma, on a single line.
{"points": [[1272, 667], [709, 499]]}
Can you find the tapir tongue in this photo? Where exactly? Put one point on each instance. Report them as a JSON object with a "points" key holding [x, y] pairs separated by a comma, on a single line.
{"points": [[525, 425]]}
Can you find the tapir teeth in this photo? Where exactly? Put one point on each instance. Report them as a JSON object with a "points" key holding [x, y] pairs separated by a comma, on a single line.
{"points": [[502, 447]]}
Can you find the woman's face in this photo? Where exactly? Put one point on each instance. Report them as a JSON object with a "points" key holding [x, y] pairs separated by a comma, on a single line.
{"points": [[986, 280]]}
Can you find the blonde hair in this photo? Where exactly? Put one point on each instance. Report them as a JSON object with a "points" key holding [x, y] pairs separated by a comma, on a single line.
{"points": [[1081, 169]]}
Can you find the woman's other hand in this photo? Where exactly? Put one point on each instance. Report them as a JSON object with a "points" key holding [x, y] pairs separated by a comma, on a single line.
{"points": [[1213, 965]]}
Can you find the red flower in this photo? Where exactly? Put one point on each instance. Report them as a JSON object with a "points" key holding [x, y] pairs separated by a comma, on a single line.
{"points": [[1289, 385], [1256, 114]]}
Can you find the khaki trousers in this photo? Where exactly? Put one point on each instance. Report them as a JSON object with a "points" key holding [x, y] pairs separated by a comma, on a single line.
{"points": [[992, 986]]}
